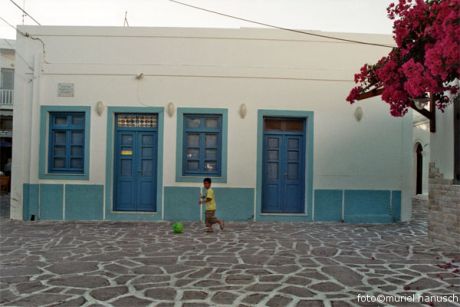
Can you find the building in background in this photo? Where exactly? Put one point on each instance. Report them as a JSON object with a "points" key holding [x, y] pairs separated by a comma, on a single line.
{"points": [[7, 60], [444, 176], [124, 123]]}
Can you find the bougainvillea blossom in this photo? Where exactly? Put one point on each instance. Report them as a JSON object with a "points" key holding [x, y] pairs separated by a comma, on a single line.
{"points": [[426, 59]]}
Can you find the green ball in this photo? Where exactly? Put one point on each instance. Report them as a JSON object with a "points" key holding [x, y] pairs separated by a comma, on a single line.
{"points": [[178, 227]]}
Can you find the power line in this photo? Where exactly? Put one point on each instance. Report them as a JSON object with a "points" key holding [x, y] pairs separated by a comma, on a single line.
{"points": [[281, 28], [24, 12], [28, 36]]}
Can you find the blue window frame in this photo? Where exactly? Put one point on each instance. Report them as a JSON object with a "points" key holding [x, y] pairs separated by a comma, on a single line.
{"points": [[66, 151], [202, 145]]}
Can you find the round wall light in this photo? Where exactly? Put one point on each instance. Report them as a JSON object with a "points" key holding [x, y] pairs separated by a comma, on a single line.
{"points": [[359, 114], [170, 109], [243, 110], [100, 107]]}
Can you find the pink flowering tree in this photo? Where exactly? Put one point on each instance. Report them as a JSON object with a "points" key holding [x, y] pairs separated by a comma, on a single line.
{"points": [[426, 59]]}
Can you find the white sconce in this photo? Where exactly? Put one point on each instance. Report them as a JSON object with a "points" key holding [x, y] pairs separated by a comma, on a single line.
{"points": [[243, 110], [170, 109], [358, 114], [100, 107]]}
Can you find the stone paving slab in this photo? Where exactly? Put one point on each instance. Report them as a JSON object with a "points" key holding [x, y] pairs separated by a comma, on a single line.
{"points": [[248, 264]]}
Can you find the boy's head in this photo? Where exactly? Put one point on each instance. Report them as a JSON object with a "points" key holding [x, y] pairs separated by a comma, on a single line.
{"points": [[207, 183]]}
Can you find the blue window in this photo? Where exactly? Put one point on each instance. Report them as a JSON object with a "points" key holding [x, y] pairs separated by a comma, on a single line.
{"points": [[66, 153], [202, 152]]}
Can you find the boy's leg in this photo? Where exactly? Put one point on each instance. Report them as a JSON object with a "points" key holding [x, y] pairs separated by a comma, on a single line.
{"points": [[209, 220]]}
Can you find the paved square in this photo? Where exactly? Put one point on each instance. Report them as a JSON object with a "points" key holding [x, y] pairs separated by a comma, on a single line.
{"points": [[270, 264]]}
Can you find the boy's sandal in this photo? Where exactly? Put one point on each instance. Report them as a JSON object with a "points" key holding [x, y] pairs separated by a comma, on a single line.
{"points": [[222, 225]]}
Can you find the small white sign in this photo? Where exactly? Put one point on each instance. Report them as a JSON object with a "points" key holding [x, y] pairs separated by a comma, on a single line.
{"points": [[65, 90]]}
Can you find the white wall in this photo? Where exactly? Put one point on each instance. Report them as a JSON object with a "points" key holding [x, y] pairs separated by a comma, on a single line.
{"points": [[442, 142], [265, 69]]}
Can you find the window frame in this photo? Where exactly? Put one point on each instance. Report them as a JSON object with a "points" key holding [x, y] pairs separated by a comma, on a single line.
{"points": [[220, 175], [47, 113], [68, 128], [202, 131]]}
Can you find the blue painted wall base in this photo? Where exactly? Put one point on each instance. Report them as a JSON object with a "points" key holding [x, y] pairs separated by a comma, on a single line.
{"points": [[85, 202], [233, 204]]}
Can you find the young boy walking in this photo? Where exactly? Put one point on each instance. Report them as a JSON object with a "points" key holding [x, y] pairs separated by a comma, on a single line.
{"points": [[208, 198]]}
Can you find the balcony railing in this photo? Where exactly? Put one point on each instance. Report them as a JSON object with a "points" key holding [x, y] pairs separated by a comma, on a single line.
{"points": [[6, 97]]}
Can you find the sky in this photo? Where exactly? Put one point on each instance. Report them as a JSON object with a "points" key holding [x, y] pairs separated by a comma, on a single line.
{"points": [[361, 16]]}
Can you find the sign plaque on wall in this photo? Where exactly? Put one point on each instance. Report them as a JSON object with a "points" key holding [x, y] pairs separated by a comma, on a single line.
{"points": [[65, 90]]}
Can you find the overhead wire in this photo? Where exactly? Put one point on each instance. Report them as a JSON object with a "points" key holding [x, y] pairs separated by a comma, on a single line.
{"points": [[27, 35], [282, 28], [24, 12]]}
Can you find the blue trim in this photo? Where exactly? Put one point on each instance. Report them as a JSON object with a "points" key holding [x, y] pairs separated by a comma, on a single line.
{"points": [[180, 144], [51, 202], [84, 202], [44, 137], [367, 206], [396, 205], [308, 116], [233, 204], [30, 201], [133, 216], [328, 205], [68, 128]]}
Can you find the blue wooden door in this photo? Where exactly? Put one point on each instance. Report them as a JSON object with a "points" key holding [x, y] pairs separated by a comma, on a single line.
{"points": [[135, 170], [283, 182]]}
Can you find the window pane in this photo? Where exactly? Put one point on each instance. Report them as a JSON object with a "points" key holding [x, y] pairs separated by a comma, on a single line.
{"points": [[272, 170], [60, 138], [212, 123], [273, 143], [193, 140], [273, 155], [77, 137], [211, 154], [294, 125], [211, 140], [293, 170], [78, 120], [59, 151], [147, 140], [193, 122], [137, 120], [126, 139], [210, 166], [59, 163], [193, 165], [147, 152], [293, 143], [193, 154], [146, 167], [273, 124], [126, 167], [76, 163], [76, 151], [60, 120], [293, 155]]}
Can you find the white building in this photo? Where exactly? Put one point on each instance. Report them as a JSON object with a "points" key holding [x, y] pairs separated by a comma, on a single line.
{"points": [[7, 58], [124, 123]]}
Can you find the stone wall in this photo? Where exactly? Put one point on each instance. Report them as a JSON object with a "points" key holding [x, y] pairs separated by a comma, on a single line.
{"points": [[443, 208]]}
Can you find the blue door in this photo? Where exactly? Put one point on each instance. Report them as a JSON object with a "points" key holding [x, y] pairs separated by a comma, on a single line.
{"points": [[135, 168], [283, 183]]}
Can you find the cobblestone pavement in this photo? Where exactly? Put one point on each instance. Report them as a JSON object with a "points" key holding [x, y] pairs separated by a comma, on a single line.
{"points": [[266, 264]]}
